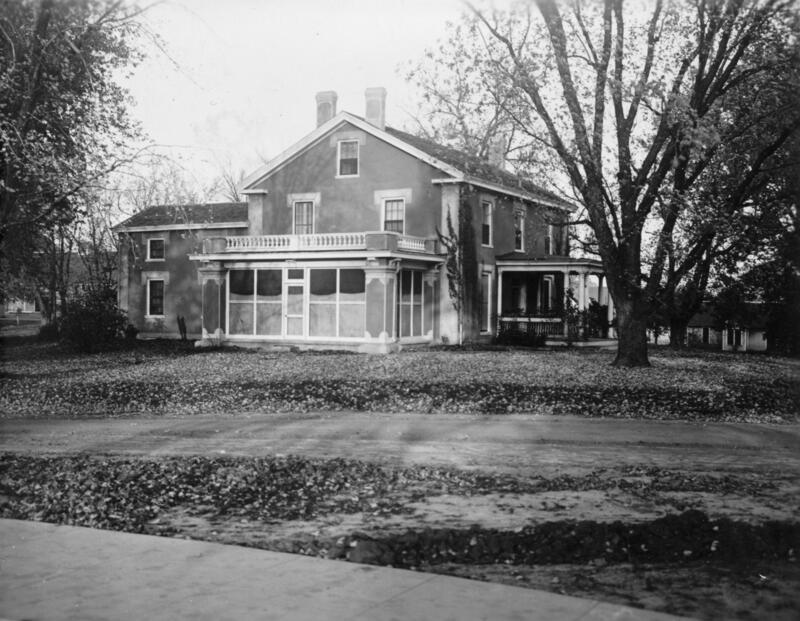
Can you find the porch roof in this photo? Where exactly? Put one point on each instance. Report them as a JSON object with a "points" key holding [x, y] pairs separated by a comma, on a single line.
{"points": [[548, 264]]}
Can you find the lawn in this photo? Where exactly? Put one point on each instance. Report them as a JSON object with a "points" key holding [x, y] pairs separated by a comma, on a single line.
{"points": [[710, 536], [175, 379]]}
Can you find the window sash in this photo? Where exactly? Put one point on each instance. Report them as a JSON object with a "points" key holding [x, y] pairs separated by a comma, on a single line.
{"points": [[486, 302], [303, 217], [348, 158], [156, 249], [394, 215], [519, 232], [155, 298], [486, 227]]}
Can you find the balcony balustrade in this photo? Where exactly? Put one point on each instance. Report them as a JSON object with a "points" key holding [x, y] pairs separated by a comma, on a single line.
{"points": [[321, 241]]}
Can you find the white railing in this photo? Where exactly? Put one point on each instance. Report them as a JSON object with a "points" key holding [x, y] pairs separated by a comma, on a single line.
{"points": [[322, 241], [319, 241], [411, 244]]}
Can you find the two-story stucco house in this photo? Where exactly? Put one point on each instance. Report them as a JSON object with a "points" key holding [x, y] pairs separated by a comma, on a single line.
{"points": [[337, 246]]}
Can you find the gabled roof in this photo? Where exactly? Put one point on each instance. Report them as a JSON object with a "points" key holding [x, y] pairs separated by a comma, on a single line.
{"points": [[754, 317], [479, 170], [458, 166], [704, 318], [165, 217]]}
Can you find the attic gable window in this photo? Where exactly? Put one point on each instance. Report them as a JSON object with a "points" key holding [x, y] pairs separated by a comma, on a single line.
{"points": [[348, 158]]}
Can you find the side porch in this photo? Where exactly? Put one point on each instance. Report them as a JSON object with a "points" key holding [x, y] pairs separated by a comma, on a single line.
{"points": [[371, 292], [532, 298]]}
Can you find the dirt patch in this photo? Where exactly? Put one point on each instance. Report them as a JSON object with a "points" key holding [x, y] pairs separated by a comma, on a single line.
{"points": [[666, 539]]}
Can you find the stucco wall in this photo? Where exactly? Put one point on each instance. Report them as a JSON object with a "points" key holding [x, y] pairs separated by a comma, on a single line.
{"points": [[182, 295], [348, 204]]}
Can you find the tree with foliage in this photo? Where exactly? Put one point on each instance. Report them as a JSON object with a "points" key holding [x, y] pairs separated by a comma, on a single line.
{"points": [[63, 117], [634, 109]]}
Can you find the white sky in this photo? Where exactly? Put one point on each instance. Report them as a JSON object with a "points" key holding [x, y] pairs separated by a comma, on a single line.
{"points": [[238, 80]]}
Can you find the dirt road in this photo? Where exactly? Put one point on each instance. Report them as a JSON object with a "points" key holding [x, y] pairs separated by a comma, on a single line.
{"points": [[515, 444], [637, 471]]}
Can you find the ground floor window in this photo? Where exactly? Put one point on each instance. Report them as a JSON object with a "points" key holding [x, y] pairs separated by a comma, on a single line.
{"points": [[734, 337], [705, 336], [547, 294], [486, 302], [155, 298]]}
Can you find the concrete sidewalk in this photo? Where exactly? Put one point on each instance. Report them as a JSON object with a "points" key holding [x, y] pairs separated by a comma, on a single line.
{"points": [[66, 572]]}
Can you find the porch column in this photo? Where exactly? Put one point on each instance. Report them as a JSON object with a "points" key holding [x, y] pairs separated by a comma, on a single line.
{"points": [[381, 284], [564, 328], [499, 293], [212, 318], [582, 291], [600, 293], [610, 312]]}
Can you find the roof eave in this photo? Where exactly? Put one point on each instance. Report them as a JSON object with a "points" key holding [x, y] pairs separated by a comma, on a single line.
{"points": [[262, 173], [515, 192]]}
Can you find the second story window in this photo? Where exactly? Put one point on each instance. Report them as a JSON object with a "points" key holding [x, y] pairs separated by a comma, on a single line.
{"points": [[486, 227], [156, 249], [348, 158], [303, 223], [394, 215], [548, 240], [519, 231]]}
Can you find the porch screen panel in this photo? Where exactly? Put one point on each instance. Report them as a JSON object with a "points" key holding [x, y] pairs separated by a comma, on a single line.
{"points": [[241, 303], [269, 302], [416, 305], [405, 302], [352, 303], [322, 303], [410, 303]]}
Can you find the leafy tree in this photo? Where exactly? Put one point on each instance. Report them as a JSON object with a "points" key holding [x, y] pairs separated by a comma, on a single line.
{"points": [[637, 110], [63, 118]]}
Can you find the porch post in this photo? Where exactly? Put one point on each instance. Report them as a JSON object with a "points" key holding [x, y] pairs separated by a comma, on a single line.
{"points": [[381, 284], [212, 286], [582, 291], [564, 327], [610, 311], [499, 293]]}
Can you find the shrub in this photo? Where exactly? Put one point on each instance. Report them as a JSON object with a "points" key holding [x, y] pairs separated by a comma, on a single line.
{"points": [[48, 332], [94, 321]]}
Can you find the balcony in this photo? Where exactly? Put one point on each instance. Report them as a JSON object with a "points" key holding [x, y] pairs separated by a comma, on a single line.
{"points": [[366, 240]]}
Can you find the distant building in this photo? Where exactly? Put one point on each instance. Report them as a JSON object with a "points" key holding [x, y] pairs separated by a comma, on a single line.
{"points": [[745, 334]]}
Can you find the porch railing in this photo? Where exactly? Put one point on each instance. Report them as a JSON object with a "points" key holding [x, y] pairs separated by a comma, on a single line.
{"points": [[322, 241], [531, 326]]}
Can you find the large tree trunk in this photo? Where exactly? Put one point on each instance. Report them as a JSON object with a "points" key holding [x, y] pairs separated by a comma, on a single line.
{"points": [[632, 336], [677, 332]]}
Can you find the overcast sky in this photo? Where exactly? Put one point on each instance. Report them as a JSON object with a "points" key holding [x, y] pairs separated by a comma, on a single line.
{"points": [[237, 79]]}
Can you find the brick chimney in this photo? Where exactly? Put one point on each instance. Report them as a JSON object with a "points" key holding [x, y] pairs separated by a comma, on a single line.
{"points": [[376, 106], [326, 106], [497, 150]]}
